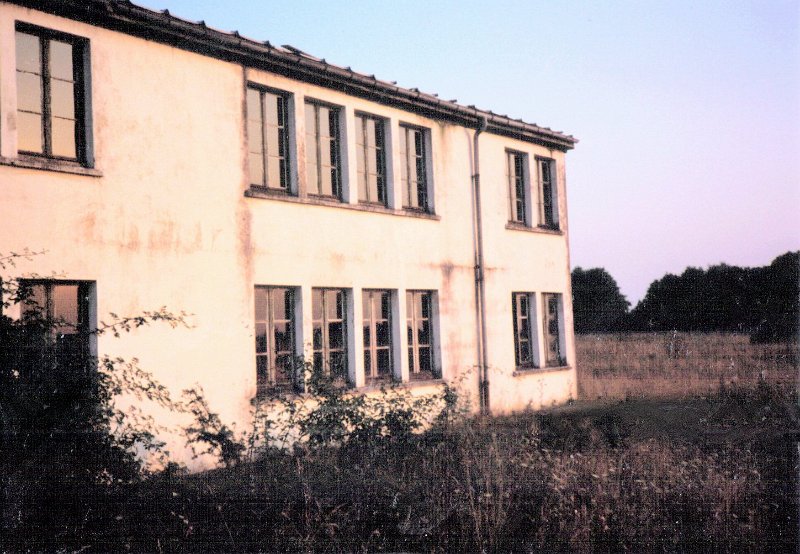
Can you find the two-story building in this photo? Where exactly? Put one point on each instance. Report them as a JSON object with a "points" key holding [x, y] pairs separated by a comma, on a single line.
{"points": [[293, 207]]}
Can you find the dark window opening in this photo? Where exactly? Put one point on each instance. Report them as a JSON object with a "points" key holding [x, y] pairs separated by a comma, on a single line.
{"points": [[275, 337], [518, 188], [419, 316], [412, 168], [377, 309], [553, 339], [329, 335], [524, 348]]}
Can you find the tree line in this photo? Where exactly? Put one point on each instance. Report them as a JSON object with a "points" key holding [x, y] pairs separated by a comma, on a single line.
{"points": [[759, 301]]}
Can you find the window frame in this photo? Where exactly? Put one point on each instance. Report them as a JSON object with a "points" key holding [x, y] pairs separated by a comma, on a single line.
{"points": [[518, 184], [553, 221], [547, 321], [527, 314], [81, 90], [269, 381], [423, 173], [412, 321], [285, 138], [381, 161], [337, 185], [372, 374], [325, 350]]}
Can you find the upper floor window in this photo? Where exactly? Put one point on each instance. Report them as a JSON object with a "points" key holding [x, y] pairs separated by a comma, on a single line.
{"points": [[371, 159], [323, 167], [413, 170], [329, 321], [553, 330], [518, 187], [268, 138], [51, 94], [548, 203], [419, 313], [377, 305], [275, 328]]}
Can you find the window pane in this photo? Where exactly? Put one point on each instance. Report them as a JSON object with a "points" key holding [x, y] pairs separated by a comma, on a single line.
{"points": [[326, 184], [253, 105], [261, 338], [317, 333], [63, 137], [316, 303], [29, 54], [424, 332], [367, 335], [384, 363], [333, 301], [254, 136], [283, 337], [274, 173], [29, 132], [261, 304], [284, 369], [386, 305], [366, 303], [261, 371], [310, 119], [524, 352], [336, 335], [324, 122], [271, 109], [368, 370], [338, 365], [35, 302], [61, 60], [318, 362], [273, 141], [425, 359], [29, 92], [256, 165], [62, 99], [65, 308], [383, 334]]}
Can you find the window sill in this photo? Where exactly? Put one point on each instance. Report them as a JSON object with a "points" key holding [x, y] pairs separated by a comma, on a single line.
{"points": [[49, 164], [516, 226], [388, 385], [335, 203], [524, 371]]}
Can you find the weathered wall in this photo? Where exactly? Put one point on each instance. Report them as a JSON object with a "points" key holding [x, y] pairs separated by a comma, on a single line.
{"points": [[167, 223]]}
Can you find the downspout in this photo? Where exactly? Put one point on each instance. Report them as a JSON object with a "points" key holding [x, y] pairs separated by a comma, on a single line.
{"points": [[480, 285]]}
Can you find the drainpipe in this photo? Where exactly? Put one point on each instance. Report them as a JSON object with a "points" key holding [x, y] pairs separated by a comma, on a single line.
{"points": [[480, 286]]}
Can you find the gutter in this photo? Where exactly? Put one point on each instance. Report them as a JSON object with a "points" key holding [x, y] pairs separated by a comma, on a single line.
{"points": [[480, 278]]}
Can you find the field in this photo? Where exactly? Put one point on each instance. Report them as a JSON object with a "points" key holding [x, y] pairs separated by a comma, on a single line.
{"points": [[684, 443]]}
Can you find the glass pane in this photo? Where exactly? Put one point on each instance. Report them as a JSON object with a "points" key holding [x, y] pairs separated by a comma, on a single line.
{"points": [[424, 332], [62, 99], [425, 359], [316, 303], [63, 137], [65, 308], [274, 173], [366, 303], [336, 335], [411, 359], [35, 304], [284, 369], [253, 105], [254, 137], [283, 337], [261, 338], [384, 362], [338, 365], [367, 363], [29, 92], [261, 371], [310, 120], [333, 304], [324, 122], [273, 142], [410, 329], [61, 60], [326, 184], [318, 361], [386, 305], [271, 109], [370, 132], [284, 301], [425, 301], [29, 132], [410, 296], [359, 131], [317, 334], [383, 334], [367, 336], [256, 165], [261, 304], [524, 352], [29, 53]]}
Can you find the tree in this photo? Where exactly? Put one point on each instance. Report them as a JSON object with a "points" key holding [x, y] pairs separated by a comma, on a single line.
{"points": [[598, 305]]}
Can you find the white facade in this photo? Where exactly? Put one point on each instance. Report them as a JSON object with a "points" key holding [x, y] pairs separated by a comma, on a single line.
{"points": [[161, 212]]}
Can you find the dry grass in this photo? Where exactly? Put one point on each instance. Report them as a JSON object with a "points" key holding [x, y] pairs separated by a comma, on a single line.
{"points": [[665, 365]]}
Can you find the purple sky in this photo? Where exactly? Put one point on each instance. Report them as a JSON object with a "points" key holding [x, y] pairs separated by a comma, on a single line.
{"points": [[688, 113]]}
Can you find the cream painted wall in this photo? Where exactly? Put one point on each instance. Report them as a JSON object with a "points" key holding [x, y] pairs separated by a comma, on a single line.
{"points": [[168, 224]]}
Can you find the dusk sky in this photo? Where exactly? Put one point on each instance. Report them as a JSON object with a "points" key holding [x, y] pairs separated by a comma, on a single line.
{"points": [[688, 113]]}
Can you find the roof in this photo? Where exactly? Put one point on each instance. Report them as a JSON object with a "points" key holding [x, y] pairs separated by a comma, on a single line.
{"points": [[126, 17]]}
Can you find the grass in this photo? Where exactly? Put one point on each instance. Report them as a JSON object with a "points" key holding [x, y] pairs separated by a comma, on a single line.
{"points": [[707, 463], [647, 365]]}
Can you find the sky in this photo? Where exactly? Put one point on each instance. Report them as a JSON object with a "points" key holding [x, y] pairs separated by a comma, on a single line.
{"points": [[688, 113]]}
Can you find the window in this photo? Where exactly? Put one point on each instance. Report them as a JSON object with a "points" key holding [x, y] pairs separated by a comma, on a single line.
{"points": [[548, 205], [268, 138], [371, 159], [524, 339], [328, 308], [51, 99], [419, 306], [377, 335], [275, 349], [413, 168], [61, 310], [518, 187], [323, 168], [553, 332]]}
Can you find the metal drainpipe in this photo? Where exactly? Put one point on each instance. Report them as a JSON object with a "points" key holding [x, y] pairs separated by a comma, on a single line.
{"points": [[480, 288]]}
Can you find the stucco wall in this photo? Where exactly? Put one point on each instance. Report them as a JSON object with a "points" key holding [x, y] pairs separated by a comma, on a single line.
{"points": [[167, 223]]}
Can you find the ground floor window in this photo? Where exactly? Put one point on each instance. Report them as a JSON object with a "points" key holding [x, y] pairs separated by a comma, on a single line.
{"points": [[525, 350], [329, 309], [275, 336], [377, 309], [553, 330], [419, 315]]}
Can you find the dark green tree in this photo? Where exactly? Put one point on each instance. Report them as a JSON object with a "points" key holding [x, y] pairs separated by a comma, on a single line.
{"points": [[598, 305]]}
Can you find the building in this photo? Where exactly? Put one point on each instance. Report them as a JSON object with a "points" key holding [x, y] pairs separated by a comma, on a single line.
{"points": [[290, 205]]}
